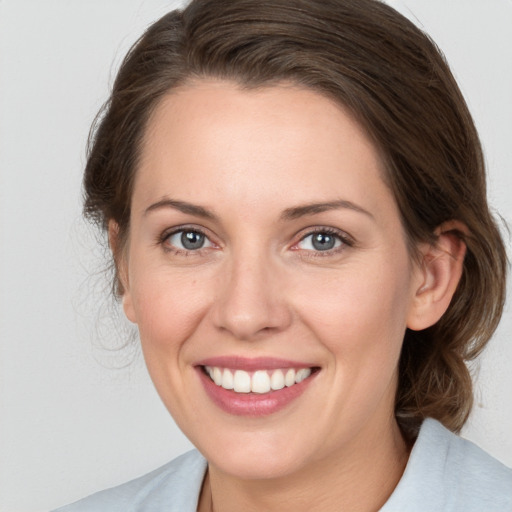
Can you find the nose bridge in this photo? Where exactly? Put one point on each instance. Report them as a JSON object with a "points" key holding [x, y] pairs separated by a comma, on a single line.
{"points": [[251, 299]]}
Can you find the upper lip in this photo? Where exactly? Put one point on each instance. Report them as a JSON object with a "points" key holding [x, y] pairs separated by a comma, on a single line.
{"points": [[252, 364]]}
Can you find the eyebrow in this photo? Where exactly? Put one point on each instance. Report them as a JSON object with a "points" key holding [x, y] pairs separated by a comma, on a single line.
{"points": [[288, 214], [314, 208], [182, 206]]}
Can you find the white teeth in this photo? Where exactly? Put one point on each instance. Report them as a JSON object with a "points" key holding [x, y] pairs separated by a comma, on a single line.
{"points": [[277, 380], [261, 381], [227, 380], [217, 376], [289, 379], [242, 382], [302, 374]]}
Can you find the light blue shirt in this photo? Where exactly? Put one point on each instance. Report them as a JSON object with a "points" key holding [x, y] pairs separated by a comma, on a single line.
{"points": [[444, 473]]}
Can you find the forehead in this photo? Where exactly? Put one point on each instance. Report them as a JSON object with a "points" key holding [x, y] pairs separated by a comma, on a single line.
{"points": [[214, 138]]}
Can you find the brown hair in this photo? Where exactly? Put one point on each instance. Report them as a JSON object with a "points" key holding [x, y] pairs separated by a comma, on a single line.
{"points": [[394, 80]]}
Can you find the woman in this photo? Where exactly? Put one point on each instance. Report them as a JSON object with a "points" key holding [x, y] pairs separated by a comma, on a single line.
{"points": [[294, 195]]}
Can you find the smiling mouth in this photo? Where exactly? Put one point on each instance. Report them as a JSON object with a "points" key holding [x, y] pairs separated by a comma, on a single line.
{"points": [[259, 381]]}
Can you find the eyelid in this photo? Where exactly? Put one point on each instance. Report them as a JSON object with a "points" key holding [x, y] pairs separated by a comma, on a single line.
{"points": [[167, 233], [344, 237], [176, 235]]}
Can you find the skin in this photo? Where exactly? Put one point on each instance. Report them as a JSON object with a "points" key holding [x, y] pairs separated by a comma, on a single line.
{"points": [[259, 288]]}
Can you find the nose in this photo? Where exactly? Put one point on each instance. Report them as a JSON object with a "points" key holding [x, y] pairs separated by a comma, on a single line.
{"points": [[251, 302]]}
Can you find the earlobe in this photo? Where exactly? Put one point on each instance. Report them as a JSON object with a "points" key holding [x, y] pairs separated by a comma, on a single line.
{"points": [[123, 287], [128, 307], [440, 273]]}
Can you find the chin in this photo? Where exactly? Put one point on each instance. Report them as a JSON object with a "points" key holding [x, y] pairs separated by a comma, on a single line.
{"points": [[256, 466]]}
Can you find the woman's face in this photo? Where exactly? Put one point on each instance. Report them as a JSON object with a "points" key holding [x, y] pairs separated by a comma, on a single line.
{"points": [[265, 250]]}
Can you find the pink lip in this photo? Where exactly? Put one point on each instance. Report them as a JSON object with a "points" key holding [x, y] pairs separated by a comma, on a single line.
{"points": [[252, 404], [253, 364]]}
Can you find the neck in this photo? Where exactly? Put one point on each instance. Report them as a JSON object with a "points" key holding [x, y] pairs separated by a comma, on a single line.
{"points": [[359, 479]]}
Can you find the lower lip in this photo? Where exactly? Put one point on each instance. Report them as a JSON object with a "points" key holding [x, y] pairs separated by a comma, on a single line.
{"points": [[252, 404]]}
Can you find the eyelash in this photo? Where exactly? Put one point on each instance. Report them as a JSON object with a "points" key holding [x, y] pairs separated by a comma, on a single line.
{"points": [[346, 241], [163, 241], [344, 238]]}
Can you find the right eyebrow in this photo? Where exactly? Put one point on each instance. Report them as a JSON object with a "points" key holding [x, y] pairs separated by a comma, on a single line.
{"points": [[315, 208], [182, 206]]}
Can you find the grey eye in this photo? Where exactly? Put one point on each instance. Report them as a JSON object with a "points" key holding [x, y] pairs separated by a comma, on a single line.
{"points": [[320, 241], [189, 240]]}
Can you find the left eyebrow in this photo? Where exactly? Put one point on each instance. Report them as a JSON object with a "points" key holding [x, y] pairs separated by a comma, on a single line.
{"points": [[182, 206], [314, 208]]}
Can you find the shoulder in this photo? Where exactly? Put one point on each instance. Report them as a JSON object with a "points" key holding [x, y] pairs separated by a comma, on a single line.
{"points": [[173, 487], [446, 472]]}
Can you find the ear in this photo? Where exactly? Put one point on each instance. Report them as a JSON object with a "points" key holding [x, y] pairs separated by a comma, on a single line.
{"points": [[439, 274], [121, 262]]}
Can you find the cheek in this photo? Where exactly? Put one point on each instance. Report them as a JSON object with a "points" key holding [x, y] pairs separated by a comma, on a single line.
{"points": [[168, 307], [361, 309]]}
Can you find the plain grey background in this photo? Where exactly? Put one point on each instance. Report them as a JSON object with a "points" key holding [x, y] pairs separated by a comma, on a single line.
{"points": [[75, 417]]}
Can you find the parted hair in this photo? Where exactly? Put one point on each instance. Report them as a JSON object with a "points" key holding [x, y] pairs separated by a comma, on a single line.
{"points": [[395, 82]]}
